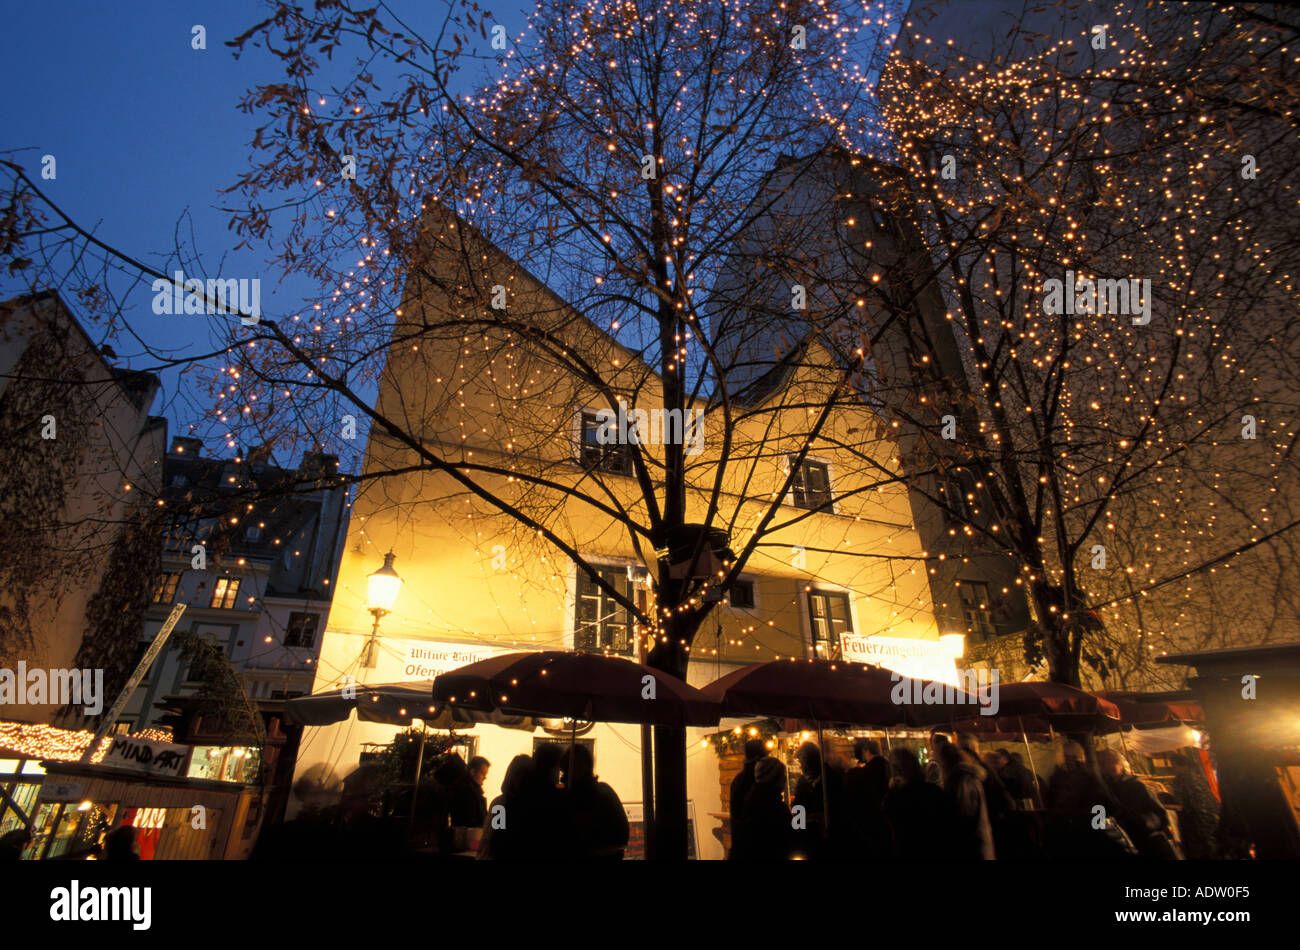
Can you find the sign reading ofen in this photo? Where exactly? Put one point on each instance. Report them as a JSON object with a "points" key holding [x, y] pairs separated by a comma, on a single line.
{"points": [[428, 659]]}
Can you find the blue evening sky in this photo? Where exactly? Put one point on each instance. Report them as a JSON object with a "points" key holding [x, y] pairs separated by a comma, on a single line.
{"points": [[147, 130]]}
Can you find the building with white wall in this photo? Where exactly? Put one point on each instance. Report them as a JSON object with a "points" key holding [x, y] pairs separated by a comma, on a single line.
{"points": [[476, 583]]}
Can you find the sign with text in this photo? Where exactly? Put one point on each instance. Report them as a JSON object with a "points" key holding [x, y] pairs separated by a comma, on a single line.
{"points": [[429, 659], [54, 791], [924, 659], [145, 755]]}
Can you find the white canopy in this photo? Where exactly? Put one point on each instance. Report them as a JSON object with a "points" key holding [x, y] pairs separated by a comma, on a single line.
{"points": [[398, 704], [1161, 739]]}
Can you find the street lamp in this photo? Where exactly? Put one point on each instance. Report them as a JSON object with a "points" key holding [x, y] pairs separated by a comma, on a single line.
{"points": [[382, 588]]}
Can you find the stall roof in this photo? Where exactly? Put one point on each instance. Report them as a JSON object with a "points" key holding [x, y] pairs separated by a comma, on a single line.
{"points": [[98, 770], [1287, 653]]}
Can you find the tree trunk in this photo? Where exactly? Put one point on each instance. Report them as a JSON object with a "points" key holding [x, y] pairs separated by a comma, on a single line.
{"points": [[670, 831], [1061, 664], [669, 842], [1061, 667]]}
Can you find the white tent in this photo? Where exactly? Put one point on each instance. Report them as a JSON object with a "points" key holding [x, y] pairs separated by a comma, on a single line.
{"points": [[1161, 739], [398, 704]]}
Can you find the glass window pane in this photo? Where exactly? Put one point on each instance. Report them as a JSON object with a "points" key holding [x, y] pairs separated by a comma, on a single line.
{"points": [[42, 826], [830, 620], [817, 477], [741, 594], [64, 830], [24, 795], [811, 487], [601, 622]]}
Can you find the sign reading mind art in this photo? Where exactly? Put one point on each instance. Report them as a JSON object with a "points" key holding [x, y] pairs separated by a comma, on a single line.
{"points": [[429, 659], [145, 755]]}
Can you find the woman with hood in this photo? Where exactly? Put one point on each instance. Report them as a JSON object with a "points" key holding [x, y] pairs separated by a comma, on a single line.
{"points": [[963, 783]]}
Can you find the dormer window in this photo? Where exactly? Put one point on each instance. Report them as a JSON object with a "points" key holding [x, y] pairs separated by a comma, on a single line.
{"points": [[811, 487], [608, 456]]}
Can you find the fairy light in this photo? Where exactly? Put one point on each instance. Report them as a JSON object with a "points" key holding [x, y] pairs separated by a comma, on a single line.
{"points": [[1095, 398]]}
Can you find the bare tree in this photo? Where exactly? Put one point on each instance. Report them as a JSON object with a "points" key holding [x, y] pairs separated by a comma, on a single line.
{"points": [[1132, 438], [619, 156], [669, 206]]}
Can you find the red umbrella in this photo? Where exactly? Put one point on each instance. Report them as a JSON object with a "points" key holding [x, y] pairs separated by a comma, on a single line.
{"points": [[1042, 707], [1062, 707], [834, 691], [1145, 710], [1004, 727], [586, 686], [1039, 707]]}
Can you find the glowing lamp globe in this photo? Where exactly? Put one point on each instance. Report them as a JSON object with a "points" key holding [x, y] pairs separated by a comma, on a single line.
{"points": [[383, 587]]}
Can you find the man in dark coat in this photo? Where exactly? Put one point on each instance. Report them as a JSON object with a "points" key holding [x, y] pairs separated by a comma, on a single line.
{"points": [[755, 749], [920, 817], [594, 816], [820, 792], [1073, 793], [1139, 812], [766, 831], [865, 788], [464, 797], [544, 834], [1018, 779]]}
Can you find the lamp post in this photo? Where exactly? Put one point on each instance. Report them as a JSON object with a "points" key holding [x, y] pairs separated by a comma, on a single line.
{"points": [[381, 594]]}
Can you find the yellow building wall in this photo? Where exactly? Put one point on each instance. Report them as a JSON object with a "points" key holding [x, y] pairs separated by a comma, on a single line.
{"points": [[475, 576]]}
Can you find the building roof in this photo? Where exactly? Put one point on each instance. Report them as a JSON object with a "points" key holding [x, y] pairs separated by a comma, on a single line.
{"points": [[287, 504], [138, 387], [1286, 653]]}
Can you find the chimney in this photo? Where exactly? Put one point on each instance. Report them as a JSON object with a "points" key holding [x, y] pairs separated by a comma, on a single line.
{"points": [[259, 456], [186, 447], [318, 465]]}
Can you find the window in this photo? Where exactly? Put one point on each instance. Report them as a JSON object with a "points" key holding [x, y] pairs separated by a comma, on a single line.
{"points": [[959, 496], [253, 533], [829, 611], [609, 457], [225, 593], [164, 591], [564, 744], [300, 631], [601, 625], [881, 218], [811, 487], [741, 595], [977, 608], [254, 816]]}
